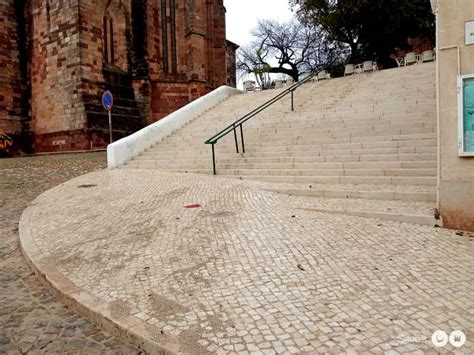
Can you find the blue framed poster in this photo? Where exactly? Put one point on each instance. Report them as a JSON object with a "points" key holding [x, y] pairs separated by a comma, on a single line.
{"points": [[466, 115]]}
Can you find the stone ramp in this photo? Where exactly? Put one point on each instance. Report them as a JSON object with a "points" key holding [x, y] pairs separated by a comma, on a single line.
{"points": [[245, 270], [402, 203]]}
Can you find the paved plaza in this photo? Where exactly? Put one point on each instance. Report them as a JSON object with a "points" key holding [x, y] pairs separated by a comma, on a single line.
{"points": [[31, 321], [199, 264]]}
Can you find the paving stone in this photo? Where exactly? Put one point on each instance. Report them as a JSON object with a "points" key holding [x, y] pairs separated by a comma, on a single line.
{"points": [[30, 320], [232, 264]]}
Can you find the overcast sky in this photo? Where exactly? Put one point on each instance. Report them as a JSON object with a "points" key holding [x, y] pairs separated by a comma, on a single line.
{"points": [[242, 16]]}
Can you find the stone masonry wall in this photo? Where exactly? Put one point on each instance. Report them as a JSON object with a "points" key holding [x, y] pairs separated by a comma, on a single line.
{"points": [[10, 82], [169, 97], [55, 75], [100, 74], [166, 53], [218, 44], [200, 52], [231, 79], [92, 50]]}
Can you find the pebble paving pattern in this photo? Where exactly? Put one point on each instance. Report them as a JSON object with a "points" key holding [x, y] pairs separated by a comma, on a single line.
{"points": [[248, 271], [31, 322]]}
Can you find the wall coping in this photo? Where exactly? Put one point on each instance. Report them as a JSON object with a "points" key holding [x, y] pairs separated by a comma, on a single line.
{"points": [[125, 149]]}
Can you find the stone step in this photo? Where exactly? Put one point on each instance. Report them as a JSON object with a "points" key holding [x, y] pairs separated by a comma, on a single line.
{"points": [[306, 156], [279, 164], [308, 132], [291, 121], [296, 119], [232, 170], [326, 143], [305, 172], [382, 180], [279, 132], [360, 193], [287, 162], [329, 118], [335, 120], [318, 140], [311, 142], [300, 149], [379, 180]]}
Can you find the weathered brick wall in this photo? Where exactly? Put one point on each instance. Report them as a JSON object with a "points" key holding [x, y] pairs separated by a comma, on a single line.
{"points": [[54, 68], [10, 76], [195, 32], [92, 14], [201, 53], [169, 97], [68, 70], [98, 74], [218, 45]]}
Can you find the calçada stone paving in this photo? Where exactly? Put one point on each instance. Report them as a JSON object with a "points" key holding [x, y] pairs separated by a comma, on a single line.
{"points": [[252, 271]]}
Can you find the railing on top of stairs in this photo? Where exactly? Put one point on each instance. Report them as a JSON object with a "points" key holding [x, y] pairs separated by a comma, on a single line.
{"points": [[239, 123]]}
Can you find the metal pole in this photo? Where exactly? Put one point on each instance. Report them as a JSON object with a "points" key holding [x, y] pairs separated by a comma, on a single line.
{"points": [[236, 143], [242, 138], [110, 126], [292, 103], [213, 160]]}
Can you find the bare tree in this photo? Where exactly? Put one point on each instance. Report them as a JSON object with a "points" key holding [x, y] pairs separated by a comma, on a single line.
{"points": [[252, 60], [297, 48]]}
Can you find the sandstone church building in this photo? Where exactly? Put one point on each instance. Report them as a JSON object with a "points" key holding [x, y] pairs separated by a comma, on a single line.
{"points": [[57, 57]]}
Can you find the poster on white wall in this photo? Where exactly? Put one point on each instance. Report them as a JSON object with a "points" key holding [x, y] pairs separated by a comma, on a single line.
{"points": [[469, 116], [469, 32], [466, 115]]}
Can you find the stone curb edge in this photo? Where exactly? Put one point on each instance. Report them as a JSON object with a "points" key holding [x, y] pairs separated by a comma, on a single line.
{"points": [[129, 328], [394, 217]]}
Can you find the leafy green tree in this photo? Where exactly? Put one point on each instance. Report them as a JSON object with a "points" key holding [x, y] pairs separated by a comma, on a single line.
{"points": [[371, 28]]}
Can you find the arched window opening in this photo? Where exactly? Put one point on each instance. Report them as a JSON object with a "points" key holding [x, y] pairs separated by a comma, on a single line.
{"points": [[108, 38]]}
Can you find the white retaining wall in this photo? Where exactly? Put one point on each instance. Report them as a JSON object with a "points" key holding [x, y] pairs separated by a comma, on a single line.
{"points": [[125, 149]]}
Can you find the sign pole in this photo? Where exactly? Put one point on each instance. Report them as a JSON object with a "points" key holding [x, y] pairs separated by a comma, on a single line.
{"points": [[108, 103], [110, 126]]}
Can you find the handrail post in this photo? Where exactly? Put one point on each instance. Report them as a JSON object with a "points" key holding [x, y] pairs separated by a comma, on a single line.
{"points": [[242, 138], [292, 101], [235, 138], [213, 160], [233, 126]]}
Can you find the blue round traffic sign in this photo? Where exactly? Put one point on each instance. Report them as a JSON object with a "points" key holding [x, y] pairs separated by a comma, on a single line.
{"points": [[108, 100]]}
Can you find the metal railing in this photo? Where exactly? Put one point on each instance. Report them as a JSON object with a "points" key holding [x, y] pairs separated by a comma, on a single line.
{"points": [[239, 123]]}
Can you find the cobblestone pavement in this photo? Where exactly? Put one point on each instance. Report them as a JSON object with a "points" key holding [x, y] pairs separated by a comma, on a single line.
{"points": [[251, 271], [30, 320]]}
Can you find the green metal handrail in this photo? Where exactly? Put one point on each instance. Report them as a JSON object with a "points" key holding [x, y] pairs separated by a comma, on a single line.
{"points": [[239, 123]]}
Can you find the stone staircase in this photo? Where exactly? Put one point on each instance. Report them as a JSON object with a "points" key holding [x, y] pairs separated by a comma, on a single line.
{"points": [[351, 140]]}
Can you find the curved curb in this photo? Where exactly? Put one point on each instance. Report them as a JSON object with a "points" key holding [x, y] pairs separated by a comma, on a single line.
{"points": [[128, 328]]}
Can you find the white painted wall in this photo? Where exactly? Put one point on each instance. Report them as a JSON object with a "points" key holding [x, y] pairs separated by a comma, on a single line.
{"points": [[125, 149]]}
